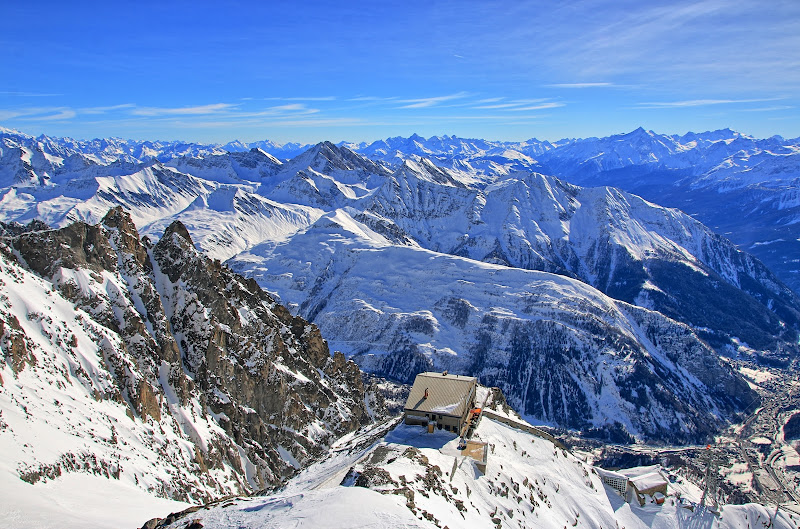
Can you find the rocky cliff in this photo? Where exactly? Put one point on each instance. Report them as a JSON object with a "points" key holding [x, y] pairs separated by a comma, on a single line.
{"points": [[159, 365]]}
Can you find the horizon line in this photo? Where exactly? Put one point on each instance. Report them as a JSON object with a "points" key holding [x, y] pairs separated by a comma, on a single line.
{"points": [[7, 130]]}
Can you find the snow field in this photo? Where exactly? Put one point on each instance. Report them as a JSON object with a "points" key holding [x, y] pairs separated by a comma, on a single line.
{"points": [[414, 479]]}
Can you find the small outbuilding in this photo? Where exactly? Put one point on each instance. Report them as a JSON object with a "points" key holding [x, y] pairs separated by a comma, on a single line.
{"points": [[615, 480], [637, 483], [648, 481], [441, 399]]}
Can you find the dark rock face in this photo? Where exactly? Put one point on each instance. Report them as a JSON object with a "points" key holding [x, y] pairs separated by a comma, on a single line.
{"points": [[247, 350], [195, 330], [76, 246], [15, 228], [548, 375]]}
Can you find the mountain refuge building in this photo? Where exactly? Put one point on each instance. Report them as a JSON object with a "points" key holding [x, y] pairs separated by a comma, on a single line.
{"points": [[441, 399]]}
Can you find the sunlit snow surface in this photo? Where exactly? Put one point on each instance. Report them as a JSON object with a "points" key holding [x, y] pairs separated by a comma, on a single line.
{"points": [[47, 414], [78, 501], [521, 467]]}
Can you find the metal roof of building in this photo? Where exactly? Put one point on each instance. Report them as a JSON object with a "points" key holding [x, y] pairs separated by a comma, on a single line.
{"points": [[603, 473], [447, 394], [648, 482]]}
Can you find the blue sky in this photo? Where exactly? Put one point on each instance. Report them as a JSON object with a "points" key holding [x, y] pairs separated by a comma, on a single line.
{"points": [[311, 71]]}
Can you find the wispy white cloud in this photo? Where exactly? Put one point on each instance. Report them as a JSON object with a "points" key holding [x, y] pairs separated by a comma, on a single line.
{"points": [[12, 93], [7, 114], [230, 114], [373, 98], [286, 121], [768, 109], [498, 105], [700, 102], [310, 98], [580, 85], [552, 104], [182, 111], [496, 117], [224, 111], [520, 104], [431, 101], [104, 110], [714, 44], [57, 115], [38, 114], [289, 108]]}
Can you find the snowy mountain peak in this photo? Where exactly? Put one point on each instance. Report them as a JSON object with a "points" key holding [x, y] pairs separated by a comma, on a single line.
{"points": [[262, 152], [640, 131], [326, 158], [425, 169], [6, 130]]}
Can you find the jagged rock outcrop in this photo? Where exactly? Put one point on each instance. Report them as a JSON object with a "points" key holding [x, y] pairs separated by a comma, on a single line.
{"points": [[249, 353], [247, 392]]}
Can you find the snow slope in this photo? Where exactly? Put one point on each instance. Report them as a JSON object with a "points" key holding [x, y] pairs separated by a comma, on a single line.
{"points": [[414, 479], [71, 502], [560, 350], [630, 249]]}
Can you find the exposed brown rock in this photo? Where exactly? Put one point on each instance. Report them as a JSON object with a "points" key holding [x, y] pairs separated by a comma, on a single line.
{"points": [[128, 240], [148, 403], [15, 344], [78, 245]]}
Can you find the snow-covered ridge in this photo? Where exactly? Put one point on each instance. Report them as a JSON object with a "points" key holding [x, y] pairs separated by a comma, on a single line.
{"points": [[560, 350], [708, 175], [413, 479]]}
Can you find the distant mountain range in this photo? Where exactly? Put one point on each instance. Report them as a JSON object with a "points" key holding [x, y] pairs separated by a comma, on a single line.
{"points": [[744, 188], [590, 307], [709, 175]]}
